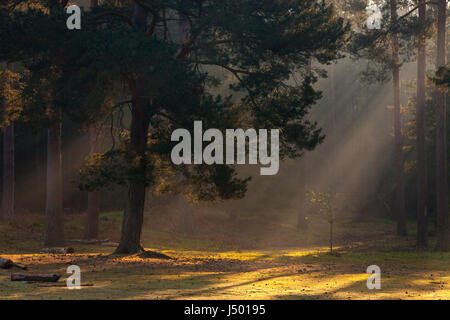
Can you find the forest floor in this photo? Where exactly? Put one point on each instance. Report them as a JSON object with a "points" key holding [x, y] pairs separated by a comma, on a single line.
{"points": [[243, 260]]}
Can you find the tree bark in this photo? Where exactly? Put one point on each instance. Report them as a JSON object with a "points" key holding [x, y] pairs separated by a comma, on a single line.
{"points": [[54, 233], [420, 128], [93, 211], [443, 236], [133, 217], [400, 184], [8, 173]]}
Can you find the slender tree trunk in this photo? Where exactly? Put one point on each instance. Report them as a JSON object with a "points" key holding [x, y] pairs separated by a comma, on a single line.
{"points": [[133, 218], [334, 129], [302, 223], [93, 211], [8, 173], [54, 233], [443, 239], [331, 237], [40, 160], [400, 184], [420, 128]]}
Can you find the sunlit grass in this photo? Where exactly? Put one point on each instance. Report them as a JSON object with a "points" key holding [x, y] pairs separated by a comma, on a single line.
{"points": [[204, 268]]}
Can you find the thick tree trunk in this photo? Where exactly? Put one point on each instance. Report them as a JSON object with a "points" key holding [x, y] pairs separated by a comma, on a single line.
{"points": [[133, 217], [443, 239], [420, 128], [93, 211], [54, 233], [8, 173], [400, 184]]}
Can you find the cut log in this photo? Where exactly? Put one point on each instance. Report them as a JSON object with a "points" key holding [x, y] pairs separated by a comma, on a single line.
{"points": [[6, 263], [35, 277], [58, 250]]}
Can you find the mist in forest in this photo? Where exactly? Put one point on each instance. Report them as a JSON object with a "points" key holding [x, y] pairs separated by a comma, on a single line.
{"points": [[353, 161]]}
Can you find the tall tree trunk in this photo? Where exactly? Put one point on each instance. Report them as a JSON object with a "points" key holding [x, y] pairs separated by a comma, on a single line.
{"points": [[8, 173], [302, 222], [133, 217], [334, 129], [40, 161], [93, 211], [54, 233], [400, 184], [420, 128], [443, 239]]}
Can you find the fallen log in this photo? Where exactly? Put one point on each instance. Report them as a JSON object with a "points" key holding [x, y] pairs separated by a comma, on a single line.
{"points": [[58, 250], [110, 244], [91, 241], [6, 263], [20, 266], [35, 277], [62, 285]]}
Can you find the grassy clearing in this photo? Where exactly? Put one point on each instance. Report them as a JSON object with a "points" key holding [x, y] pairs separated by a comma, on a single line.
{"points": [[207, 267]]}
